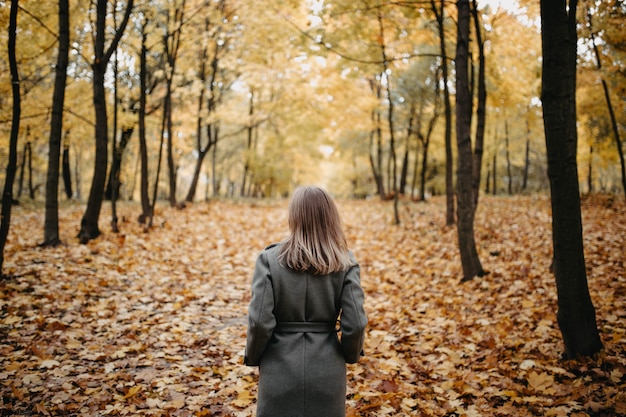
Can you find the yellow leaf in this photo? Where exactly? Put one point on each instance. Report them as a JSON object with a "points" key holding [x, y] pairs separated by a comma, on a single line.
{"points": [[132, 391], [540, 382], [244, 399]]}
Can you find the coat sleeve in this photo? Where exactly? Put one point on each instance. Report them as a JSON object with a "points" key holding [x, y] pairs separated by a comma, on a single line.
{"points": [[353, 317], [261, 320]]}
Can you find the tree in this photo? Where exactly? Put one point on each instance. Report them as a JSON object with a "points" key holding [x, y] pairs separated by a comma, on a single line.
{"points": [[465, 194], [481, 106], [609, 105], [89, 224], [439, 15], [7, 194], [175, 15], [576, 313], [217, 34], [51, 223]]}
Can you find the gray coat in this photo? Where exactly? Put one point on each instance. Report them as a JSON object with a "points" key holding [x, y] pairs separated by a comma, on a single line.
{"points": [[292, 337]]}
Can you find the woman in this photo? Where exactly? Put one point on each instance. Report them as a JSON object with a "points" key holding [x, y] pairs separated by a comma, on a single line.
{"points": [[301, 286]]}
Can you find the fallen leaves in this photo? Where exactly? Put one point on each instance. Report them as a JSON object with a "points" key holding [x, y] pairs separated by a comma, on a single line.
{"points": [[154, 323]]}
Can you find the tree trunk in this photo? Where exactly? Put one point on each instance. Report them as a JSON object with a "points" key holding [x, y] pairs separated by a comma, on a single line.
{"points": [[404, 171], [116, 154], [423, 171], [508, 158], [146, 209], [212, 129], [7, 194], [426, 142], [415, 170], [609, 105], [246, 167], [66, 171], [494, 190], [590, 171], [576, 313], [526, 158], [465, 196], [392, 141], [378, 178], [447, 111], [113, 182], [20, 185], [31, 190], [89, 224], [481, 108], [172, 44], [488, 180], [155, 190]]}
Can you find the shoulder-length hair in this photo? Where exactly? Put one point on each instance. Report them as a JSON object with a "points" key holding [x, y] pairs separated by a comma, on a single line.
{"points": [[316, 242]]}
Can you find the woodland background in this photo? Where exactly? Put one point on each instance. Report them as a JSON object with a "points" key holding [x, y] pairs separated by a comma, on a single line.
{"points": [[211, 112], [267, 95]]}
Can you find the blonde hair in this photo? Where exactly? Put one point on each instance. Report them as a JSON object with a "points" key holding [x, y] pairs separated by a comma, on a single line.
{"points": [[316, 242]]}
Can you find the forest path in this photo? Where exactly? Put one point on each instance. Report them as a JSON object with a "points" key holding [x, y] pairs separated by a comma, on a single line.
{"points": [[154, 323]]}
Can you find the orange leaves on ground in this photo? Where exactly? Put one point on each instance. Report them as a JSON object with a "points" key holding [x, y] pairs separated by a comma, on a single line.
{"points": [[154, 323]]}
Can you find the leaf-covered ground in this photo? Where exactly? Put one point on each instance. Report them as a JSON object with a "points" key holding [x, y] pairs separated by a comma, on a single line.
{"points": [[154, 323]]}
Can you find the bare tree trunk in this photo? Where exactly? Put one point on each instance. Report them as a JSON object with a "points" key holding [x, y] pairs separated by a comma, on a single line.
{"points": [[20, 185], [171, 42], [7, 194], [481, 107], [590, 171], [116, 154], [526, 158], [155, 190], [113, 182], [390, 121], [89, 224], [607, 98], [31, 190], [404, 171], [448, 112], [212, 133], [488, 180], [146, 208], [246, 166], [66, 171], [494, 190], [25, 153], [508, 158], [465, 195], [576, 314]]}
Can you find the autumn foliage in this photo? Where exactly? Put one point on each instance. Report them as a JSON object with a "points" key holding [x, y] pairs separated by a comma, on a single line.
{"points": [[154, 323]]}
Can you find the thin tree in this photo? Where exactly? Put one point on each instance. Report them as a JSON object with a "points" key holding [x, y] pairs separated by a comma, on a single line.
{"points": [[146, 208], [89, 224], [171, 43], [481, 106], [425, 138], [51, 222], [390, 115], [465, 194], [609, 105], [509, 173], [526, 158], [114, 174], [7, 194], [65, 171], [576, 314], [439, 15]]}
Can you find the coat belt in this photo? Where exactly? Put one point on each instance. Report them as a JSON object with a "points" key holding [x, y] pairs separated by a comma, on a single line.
{"points": [[304, 327]]}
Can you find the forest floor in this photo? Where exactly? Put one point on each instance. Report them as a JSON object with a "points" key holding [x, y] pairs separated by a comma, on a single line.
{"points": [[154, 323]]}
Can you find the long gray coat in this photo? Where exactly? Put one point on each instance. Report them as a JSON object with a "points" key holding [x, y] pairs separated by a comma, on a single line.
{"points": [[292, 338]]}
